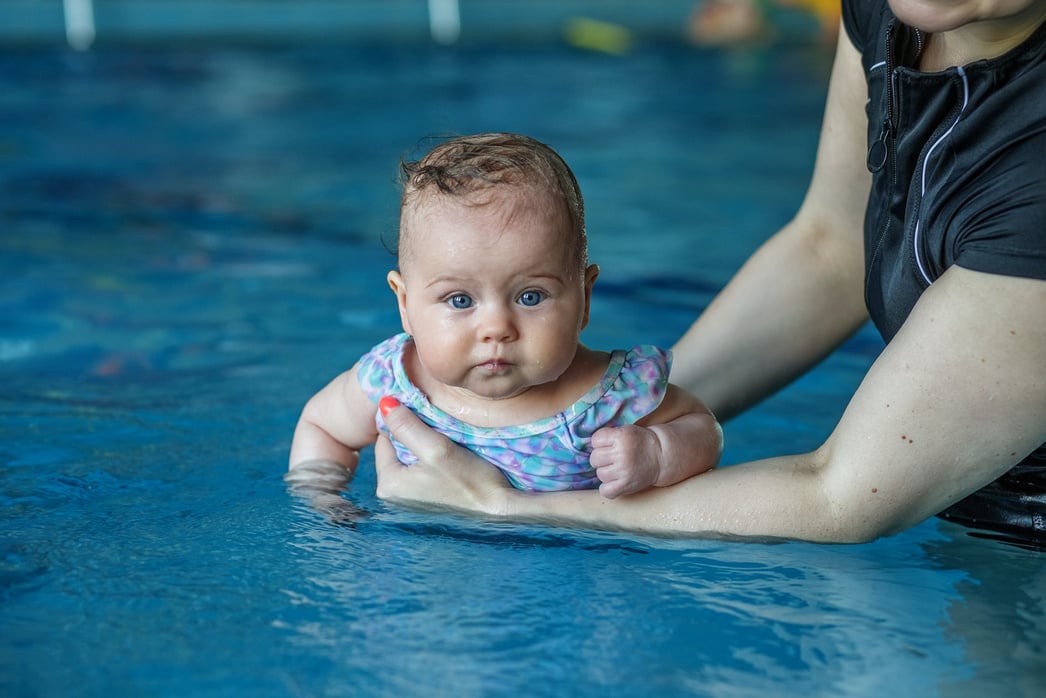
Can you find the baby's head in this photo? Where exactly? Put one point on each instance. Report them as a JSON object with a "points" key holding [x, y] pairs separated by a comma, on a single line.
{"points": [[492, 169], [493, 283]]}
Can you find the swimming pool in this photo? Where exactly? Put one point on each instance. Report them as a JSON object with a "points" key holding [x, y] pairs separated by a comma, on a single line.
{"points": [[191, 245]]}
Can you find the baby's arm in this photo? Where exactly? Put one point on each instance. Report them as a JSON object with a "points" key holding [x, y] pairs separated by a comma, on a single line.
{"points": [[679, 439], [336, 423]]}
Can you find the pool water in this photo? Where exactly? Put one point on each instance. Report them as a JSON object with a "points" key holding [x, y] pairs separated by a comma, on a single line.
{"points": [[191, 245]]}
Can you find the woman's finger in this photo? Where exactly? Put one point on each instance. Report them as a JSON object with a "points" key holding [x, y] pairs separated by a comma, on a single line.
{"points": [[420, 439]]}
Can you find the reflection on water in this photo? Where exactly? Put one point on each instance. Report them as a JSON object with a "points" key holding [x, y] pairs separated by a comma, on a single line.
{"points": [[998, 616], [676, 616]]}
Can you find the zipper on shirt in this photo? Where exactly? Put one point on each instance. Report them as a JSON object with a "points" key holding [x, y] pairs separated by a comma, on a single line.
{"points": [[878, 154], [882, 149], [879, 150]]}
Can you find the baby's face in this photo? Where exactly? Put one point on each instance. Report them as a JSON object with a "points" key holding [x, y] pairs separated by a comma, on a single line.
{"points": [[493, 294]]}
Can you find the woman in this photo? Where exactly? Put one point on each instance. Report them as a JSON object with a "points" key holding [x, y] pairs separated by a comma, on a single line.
{"points": [[926, 212]]}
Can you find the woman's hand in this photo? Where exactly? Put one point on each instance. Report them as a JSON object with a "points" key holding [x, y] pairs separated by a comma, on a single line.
{"points": [[445, 476]]}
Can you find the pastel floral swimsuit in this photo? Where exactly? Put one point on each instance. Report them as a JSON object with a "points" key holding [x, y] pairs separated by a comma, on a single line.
{"points": [[547, 455]]}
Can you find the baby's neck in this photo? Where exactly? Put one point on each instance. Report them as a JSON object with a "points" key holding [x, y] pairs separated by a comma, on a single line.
{"points": [[531, 405]]}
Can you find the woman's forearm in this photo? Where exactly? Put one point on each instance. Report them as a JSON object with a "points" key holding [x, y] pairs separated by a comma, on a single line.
{"points": [[802, 293], [781, 497], [775, 498], [745, 345]]}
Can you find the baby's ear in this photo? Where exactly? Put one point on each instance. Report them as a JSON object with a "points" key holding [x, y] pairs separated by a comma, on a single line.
{"points": [[590, 279], [395, 280]]}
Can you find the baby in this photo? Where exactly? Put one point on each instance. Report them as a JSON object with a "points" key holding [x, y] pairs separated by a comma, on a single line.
{"points": [[494, 288]]}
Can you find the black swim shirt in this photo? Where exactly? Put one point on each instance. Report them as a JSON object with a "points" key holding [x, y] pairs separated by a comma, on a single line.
{"points": [[958, 160]]}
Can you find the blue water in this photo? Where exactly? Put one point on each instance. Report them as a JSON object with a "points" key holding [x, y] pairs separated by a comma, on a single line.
{"points": [[190, 245]]}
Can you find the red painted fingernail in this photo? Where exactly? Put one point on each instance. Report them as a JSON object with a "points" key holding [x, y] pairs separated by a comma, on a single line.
{"points": [[387, 403]]}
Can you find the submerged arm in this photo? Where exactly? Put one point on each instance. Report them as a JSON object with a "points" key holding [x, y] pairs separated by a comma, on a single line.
{"points": [[334, 425]]}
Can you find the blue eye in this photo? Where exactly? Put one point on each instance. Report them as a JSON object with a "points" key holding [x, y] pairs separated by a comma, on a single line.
{"points": [[460, 301], [531, 298]]}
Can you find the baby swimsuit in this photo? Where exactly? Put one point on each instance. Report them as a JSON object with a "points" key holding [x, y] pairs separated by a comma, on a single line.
{"points": [[547, 455]]}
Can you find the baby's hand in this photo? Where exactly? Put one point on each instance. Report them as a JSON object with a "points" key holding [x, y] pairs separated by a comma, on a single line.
{"points": [[626, 459]]}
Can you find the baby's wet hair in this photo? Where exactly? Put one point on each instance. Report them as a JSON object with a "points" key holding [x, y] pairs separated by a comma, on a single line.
{"points": [[463, 166]]}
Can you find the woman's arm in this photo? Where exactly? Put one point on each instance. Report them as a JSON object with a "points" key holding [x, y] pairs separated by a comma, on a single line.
{"points": [[801, 294], [956, 400]]}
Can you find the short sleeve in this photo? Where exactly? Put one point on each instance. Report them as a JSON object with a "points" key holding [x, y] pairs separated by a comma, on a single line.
{"points": [[377, 370], [643, 381], [1008, 234], [634, 386]]}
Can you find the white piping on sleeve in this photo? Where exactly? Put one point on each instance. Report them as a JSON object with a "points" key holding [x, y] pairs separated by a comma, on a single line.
{"points": [[926, 160]]}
